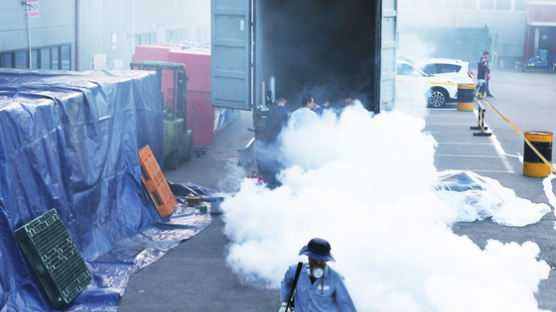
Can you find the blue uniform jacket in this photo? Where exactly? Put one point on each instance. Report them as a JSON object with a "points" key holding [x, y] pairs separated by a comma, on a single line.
{"points": [[327, 293]]}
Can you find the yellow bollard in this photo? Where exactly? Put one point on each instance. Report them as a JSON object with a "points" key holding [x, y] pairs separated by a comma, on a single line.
{"points": [[533, 166], [466, 96]]}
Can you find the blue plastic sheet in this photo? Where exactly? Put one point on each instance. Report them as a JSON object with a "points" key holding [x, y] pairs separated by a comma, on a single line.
{"points": [[69, 141]]}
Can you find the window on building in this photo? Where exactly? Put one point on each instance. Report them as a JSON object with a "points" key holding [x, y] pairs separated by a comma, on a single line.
{"points": [[35, 59], [487, 5], [520, 5], [21, 59], [45, 58], [504, 5], [467, 4], [7, 60], [55, 54], [66, 57], [146, 38], [55, 57], [175, 35]]}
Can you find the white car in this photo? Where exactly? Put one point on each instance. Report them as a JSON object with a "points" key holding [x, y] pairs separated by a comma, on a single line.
{"points": [[414, 84], [457, 70]]}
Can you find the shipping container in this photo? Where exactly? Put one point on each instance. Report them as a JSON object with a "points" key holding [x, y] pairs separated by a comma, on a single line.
{"points": [[341, 46], [331, 49]]}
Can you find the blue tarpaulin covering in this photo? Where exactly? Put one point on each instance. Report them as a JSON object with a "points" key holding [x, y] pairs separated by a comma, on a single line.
{"points": [[69, 141]]}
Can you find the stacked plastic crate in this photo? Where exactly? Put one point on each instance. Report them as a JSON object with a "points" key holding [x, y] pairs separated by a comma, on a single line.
{"points": [[156, 183]]}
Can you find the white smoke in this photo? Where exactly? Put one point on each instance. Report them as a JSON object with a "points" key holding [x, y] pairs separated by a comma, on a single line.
{"points": [[367, 185], [414, 48], [412, 92], [232, 179]]}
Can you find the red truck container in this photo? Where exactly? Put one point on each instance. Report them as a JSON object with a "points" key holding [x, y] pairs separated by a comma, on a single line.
{"points": [[200, 113]]}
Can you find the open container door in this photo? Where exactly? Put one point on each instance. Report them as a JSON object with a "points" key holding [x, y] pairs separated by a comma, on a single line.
{"points": [[231, 57], [389, 36]]}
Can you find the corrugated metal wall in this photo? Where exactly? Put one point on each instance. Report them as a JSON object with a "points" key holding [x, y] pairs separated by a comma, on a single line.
{"points": [[110, 26], [105, 27]]}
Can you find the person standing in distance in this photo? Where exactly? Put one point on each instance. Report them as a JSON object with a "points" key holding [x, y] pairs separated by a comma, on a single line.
{"points": [[305, 115], [319, 288], [482, 71], [487, 76]]}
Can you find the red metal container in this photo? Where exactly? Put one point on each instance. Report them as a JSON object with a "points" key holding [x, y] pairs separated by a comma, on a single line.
{"points": [[200, 113], [197, 62], [151, 53], [200, 117]]}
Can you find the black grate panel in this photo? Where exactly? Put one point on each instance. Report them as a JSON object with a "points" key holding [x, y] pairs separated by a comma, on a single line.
{"points": [[54, 258]]}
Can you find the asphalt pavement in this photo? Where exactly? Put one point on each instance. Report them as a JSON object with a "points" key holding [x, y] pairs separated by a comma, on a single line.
{"points": [[194, 276], [527, 100]]}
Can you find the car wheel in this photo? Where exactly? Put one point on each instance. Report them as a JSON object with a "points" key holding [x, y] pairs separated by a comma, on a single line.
{"points": [[437, 98]]}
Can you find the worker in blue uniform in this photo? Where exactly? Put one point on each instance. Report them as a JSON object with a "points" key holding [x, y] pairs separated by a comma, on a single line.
{"points": [[280, 117], [319, 287]]}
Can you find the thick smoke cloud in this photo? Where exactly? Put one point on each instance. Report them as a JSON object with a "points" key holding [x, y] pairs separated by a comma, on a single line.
{"points": [[367, 185]]}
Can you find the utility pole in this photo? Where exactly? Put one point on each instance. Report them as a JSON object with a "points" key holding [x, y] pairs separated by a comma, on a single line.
{"points": [[28, 33]]}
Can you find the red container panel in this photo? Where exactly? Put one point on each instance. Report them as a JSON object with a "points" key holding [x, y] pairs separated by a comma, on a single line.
{"points": [[198, 65], [151, 53], [200, 113], [200, 117]]}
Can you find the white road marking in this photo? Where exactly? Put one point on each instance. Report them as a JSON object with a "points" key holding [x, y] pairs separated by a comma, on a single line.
{"points": [[498, 147], [463, 143], [502, 153], [547, 184], [468, 156], [442, 109], [490, 171], [447, 124]]}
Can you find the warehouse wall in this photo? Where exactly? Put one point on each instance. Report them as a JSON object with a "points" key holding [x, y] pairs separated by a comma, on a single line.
{"points": [[507, 24], [55, 25], [114, 27], [104, 28]]}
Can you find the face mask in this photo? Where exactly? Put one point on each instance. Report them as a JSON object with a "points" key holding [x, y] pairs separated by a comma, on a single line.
{"points": [[316, 272]]}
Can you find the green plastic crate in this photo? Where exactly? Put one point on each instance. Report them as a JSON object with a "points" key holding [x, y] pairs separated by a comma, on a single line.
{"points": [[54, 258]]}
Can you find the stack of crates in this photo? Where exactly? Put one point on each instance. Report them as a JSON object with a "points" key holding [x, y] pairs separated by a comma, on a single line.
{"points": [[156, 183], [54, 258]]}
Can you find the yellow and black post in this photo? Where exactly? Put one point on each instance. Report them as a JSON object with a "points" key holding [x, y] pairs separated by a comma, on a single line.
{"points": [[533, 166], [466, 96], [481, 122]]}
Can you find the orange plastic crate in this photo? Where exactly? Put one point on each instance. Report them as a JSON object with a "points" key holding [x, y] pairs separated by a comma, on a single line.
{"points": [[164, 200], [156, 183], [149, 166]]}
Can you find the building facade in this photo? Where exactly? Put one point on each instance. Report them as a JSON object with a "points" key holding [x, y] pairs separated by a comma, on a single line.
{"points": [[541, 27], [52, 35], [87, 34], [504, 19]]}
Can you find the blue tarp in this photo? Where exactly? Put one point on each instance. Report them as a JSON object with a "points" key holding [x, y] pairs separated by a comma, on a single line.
{"points": [[69, 141]]}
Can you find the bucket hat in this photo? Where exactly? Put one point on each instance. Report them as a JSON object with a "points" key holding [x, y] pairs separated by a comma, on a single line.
{"points": [[318, 249]]}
